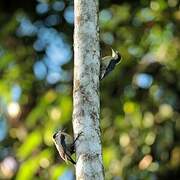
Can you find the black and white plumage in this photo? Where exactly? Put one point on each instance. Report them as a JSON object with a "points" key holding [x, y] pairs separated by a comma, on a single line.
{"points": [[65, 145], [108, 63]]}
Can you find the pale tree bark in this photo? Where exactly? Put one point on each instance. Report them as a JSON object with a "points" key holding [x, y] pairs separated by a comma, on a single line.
{"points": [[86, 91]]}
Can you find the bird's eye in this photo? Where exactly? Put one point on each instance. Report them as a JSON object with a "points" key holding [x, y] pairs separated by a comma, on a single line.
{"points": [[54, 136]]}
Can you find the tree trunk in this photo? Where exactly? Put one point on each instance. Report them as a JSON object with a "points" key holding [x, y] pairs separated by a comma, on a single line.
{"points": [[86, 91]]}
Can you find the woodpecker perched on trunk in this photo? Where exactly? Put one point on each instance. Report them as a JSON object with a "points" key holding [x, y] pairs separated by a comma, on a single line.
{"points": [[108, 63], [65, 145]]}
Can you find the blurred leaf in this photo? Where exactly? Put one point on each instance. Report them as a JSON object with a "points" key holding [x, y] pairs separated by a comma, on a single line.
{"points": [[57, 171], [30, 144], [29, 167]]}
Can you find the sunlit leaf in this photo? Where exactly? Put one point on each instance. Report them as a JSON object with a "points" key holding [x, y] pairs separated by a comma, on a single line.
{"points": [[30, 144]]}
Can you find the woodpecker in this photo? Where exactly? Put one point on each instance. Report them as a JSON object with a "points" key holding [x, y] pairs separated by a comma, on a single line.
{"points": [[108, 63], [65, 145]]}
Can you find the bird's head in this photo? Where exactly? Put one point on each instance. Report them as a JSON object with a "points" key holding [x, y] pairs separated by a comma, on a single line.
{"points": [[116, 55], [58, 134]]}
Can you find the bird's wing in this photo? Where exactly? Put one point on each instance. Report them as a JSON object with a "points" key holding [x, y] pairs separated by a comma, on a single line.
{"points": [[66, 154], [104, 63], [110, 67], [106, 58]]}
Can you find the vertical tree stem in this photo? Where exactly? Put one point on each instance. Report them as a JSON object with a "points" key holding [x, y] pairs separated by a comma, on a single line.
{"points": [[86, 91]]}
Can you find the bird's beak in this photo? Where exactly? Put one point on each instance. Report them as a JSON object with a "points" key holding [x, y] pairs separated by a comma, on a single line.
{"points": [[113, 53]]}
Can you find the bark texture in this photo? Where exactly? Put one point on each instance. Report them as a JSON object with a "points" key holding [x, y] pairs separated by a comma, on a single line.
{"points": [[86, 91]]}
